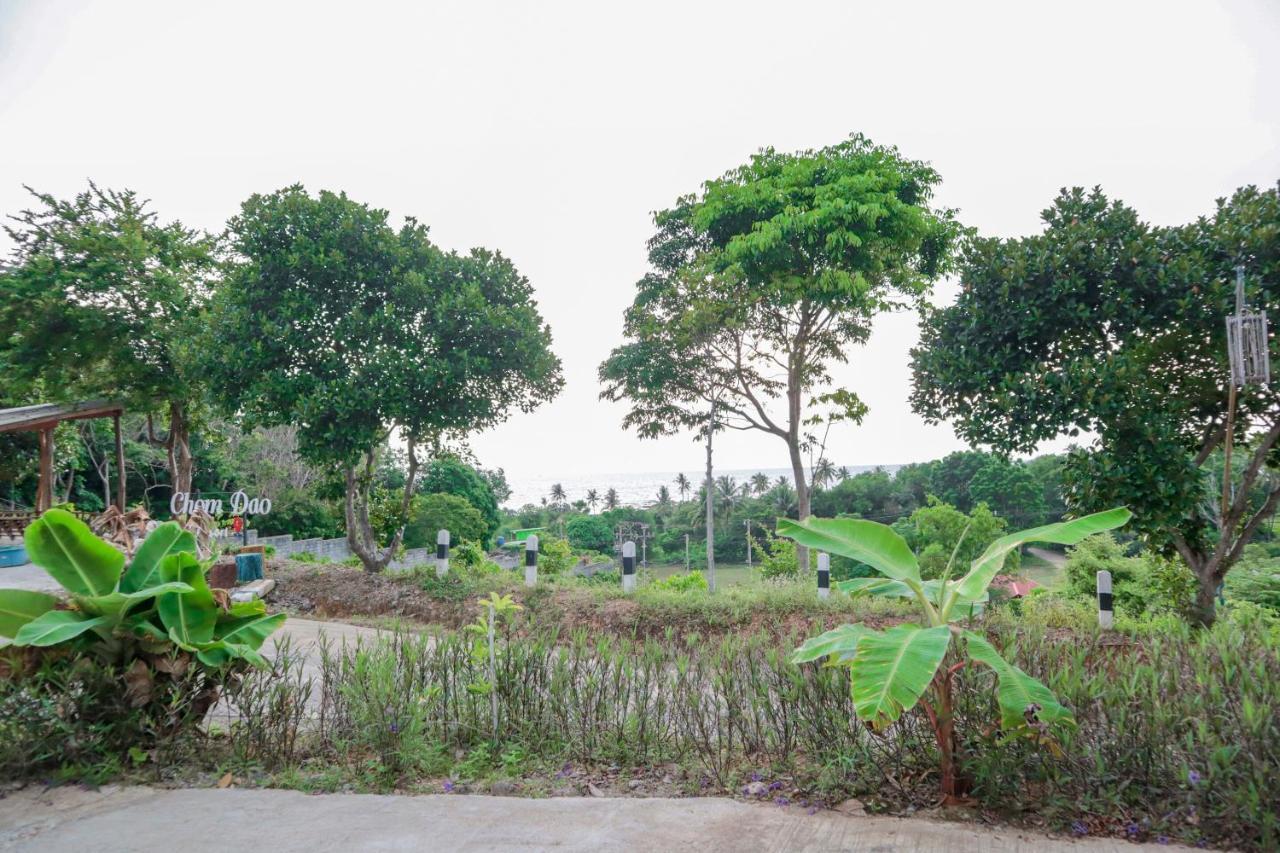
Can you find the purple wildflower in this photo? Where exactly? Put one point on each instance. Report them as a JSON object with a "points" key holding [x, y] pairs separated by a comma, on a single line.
{"points": [[1162, 839], [775, 786], [782, 801], [755, 777], [395, 728], [1193, 777], [1078, 828], [813, 810], [1133, 830], [448, 786]]}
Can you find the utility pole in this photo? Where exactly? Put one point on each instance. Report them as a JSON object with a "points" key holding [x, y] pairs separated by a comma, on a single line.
{"points": [[748, 526]]}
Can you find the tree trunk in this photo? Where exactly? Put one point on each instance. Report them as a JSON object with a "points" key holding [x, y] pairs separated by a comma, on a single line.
{"points": [[802, 496], [360, 535], [1204, 610], [178, 445], [711, 513]]}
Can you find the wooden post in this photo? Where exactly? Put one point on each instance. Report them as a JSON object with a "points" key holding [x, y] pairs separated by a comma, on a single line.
{"points": [[44, 489], [119, 466]]}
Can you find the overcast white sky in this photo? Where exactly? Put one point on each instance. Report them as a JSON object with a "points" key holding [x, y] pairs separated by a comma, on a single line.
{"points": [[551, 131]]}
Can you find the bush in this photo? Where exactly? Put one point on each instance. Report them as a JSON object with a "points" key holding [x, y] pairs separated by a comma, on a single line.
{"points": [[429, 514], [1142, 584], [302, 515], [1256, 578], [589, 533], [450, 475], [555, 556], [694, 581], [140, 655]]}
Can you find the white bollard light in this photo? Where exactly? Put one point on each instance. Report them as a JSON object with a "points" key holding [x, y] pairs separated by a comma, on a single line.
{"points": [[1105, 615], [824, 575], [531, 560], [442, 553], [628, 567]]}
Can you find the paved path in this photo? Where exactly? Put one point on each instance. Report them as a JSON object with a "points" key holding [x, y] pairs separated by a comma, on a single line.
{"points": [[27, 576], [145, 820]]}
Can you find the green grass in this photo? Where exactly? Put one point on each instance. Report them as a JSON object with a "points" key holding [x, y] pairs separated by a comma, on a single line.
{"points": [[1042, 571], [727, 574]]}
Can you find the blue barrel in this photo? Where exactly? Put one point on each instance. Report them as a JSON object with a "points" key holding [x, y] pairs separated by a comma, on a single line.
{"points": [[248, 567], [12, 555]]}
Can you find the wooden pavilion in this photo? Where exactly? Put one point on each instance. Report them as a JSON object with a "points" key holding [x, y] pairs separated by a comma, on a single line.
{"points": [[44, 418]]}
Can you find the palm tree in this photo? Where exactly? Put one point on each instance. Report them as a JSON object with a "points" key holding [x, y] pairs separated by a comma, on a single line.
{"points": [[557, 494], [823, 473], [664, 497], [682, 486], [611, 498], [842, 473], [759, 483], [783, 496]]}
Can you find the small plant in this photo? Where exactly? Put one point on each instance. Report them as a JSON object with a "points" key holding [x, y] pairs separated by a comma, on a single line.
{"points": [[492, 609], [891, 671], [694, 581]]}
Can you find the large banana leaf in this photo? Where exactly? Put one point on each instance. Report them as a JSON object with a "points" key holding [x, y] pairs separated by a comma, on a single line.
{"points": [[117, 603], [1017, 692], [63, 545], [867, 542], [984, 569], [20, 606], [189, 616], [250, 631], [839, 642], [893, 668], [887, 588], [144, 570], [56, 626]]}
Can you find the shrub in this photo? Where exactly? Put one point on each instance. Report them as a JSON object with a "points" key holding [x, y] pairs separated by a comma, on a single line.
{"points": [[301, 514], [1146, 583], [694, 581], [1256, 578], [429, 514], [139, 652], [589, 533], [555, 556]]}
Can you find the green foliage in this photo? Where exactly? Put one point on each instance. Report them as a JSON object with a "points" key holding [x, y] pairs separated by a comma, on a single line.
{"points": [[429, 514], [451, 475], [590, 533], [302, 514], [891, 670], [1106, 324], [113, 623], [777, 557], [693, 581], [1256, 579], [103, 300], [1147, 583], [555, 556], [934, 532]]}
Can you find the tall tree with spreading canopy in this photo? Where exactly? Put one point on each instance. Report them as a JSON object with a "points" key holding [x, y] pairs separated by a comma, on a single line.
{"points": [[764, 280], [1106, 324], [332, 320], [103, 300]]}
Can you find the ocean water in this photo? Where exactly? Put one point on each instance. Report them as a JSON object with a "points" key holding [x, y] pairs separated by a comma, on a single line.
{"points": [[638, 489]]}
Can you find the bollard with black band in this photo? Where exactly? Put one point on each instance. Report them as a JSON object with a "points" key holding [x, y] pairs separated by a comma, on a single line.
{"points": [[1105, 615], [628, 567], [442, 553], [824, 575], [531, 560]]}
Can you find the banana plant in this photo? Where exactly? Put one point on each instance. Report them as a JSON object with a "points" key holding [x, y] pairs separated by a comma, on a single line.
{"points": [[157, 602], [892, 671]]}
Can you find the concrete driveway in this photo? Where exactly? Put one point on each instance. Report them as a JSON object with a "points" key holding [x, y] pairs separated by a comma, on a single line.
{"points": [[148, 820]]}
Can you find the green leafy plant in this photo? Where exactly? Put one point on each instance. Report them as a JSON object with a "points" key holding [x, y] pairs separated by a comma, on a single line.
{"points": [[492, 609], [892, 670], [693, 581], [157, 604]]}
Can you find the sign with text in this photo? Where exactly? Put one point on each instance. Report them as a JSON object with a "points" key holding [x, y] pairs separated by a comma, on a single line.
{"points": [[240, 504]]}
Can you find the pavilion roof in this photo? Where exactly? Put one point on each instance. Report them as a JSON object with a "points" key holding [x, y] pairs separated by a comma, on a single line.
{"points": [[46, 415]]}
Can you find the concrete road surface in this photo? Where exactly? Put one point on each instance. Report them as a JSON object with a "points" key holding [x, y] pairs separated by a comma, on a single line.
{"points": [[148, 820]]}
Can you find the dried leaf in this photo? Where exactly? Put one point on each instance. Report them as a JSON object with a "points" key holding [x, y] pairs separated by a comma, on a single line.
{"points": [[225, 781], [138, 683]]}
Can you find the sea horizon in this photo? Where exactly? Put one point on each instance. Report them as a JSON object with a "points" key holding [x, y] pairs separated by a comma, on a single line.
{"points": [[639, 488]]}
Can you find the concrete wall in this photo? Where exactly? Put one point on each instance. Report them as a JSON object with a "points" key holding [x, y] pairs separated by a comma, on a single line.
{"points": [[335, 550]]}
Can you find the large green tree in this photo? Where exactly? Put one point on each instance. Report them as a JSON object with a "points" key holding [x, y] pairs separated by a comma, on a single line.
{"points": [[332, 320], [767, 278], [1106, 324], [101, 299]]}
